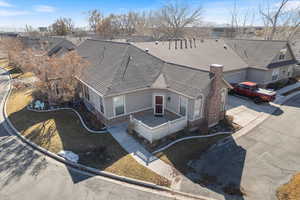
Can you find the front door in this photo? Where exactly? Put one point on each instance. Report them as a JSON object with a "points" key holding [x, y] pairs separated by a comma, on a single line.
{"points": [[158, 105]]}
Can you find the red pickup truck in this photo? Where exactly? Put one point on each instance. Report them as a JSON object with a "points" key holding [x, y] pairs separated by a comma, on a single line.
{"points": [[251, 89]]}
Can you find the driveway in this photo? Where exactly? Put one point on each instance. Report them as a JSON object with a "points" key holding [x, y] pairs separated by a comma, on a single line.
{"points": [[259, 161], [245, 110]]}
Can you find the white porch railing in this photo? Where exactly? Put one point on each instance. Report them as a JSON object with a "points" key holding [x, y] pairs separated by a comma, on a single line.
{"points": [[160, 131]]}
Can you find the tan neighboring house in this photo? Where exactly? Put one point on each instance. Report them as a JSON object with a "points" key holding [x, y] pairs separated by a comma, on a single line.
{"points": [[127, 83]]}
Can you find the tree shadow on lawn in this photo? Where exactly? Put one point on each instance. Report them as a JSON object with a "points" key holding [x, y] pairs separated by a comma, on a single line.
{"points": [[219, 168], [62, 130], [16, 159]]}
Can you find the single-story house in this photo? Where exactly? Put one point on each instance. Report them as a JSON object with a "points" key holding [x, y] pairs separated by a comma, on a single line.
{"points": [[128, 83], [259, 61]]}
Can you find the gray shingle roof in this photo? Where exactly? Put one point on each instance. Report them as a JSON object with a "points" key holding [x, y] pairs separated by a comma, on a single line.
{"points": [[257, 53], [52, 45], [121, 67], [206, 53], [296, 48]]}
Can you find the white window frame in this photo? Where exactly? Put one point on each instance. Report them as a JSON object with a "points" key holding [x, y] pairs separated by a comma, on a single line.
{"points": [[223, 99], [153, 103], [101, 104], [199, 109], [182, 99], [290, 71], [275, 74], [86, 92], [124, 104], [281, 56]]}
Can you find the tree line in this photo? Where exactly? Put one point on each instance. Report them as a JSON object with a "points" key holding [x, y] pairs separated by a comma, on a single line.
{"points": [[176, 19]]}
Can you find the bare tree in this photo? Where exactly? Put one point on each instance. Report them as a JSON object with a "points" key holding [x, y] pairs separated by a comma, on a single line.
{"points": [[57, 75], [62, 26], [276, 18], [94, 18], [30, 31], [240, 21], [174, 16]]}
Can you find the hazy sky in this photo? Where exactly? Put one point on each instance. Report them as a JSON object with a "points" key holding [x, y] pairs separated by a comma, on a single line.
{"points": [[18, 13]]}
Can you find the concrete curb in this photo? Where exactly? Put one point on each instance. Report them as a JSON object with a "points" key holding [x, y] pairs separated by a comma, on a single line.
{"points": [[189, 138], [84, 168], [79, 116]]}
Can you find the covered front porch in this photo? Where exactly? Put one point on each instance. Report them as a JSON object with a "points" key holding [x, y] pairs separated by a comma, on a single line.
{"points": [[154, 127]]}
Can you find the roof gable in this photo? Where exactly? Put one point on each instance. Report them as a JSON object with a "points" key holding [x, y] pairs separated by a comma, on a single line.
{"points": [[160, 82], [120, 67], [257, 53]]}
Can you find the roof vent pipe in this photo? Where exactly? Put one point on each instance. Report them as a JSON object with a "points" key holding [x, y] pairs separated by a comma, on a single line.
{"points": [[169, 44], [175, 44], [180, 44], [185, 41], [191, 45]]}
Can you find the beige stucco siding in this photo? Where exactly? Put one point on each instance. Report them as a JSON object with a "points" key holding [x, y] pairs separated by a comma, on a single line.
{"points": [[172, 102], [257, 75], [235, 76], [283, 73], [94, 99]]}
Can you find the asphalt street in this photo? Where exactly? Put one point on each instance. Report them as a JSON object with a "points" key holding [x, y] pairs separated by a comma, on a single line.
{"points": [[259, 162]]}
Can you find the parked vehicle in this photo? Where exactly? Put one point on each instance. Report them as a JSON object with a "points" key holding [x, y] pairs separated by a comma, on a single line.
{"points": [[251, 89]]}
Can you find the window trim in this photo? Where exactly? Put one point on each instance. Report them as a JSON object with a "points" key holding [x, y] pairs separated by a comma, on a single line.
{"points": [[124, 104], [281, 57], [186, 105], [200, 116], [290, 72], [86, 92], [154, 104], [275, 73], [101, 99], [223, 103]]}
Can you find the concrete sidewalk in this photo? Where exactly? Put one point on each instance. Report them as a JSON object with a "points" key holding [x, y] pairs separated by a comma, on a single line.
{"points": [[144, 157]]}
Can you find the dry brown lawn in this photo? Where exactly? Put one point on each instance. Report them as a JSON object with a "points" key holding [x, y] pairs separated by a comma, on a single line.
{"points": [[291, 190], [62, 130], [179, 154], [14, 72]]}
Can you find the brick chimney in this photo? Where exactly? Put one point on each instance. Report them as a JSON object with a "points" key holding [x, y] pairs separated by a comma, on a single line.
{"points": [[214, 111]]}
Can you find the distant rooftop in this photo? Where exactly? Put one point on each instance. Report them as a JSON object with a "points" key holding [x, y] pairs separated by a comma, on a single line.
{"points": [[197, 54]]}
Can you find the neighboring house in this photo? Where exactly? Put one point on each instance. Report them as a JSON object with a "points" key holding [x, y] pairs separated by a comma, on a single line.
{"points": [[125, 83], [52, 45], [260, 61], [268, 61]]}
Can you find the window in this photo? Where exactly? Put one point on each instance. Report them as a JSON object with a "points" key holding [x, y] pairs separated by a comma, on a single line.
{"points": [[119, 105], [282, 54], [290, 72], [281, 57], [101, 104], [182, 106], [85, 92], [223, 99], [275, 74], [198, 108]]}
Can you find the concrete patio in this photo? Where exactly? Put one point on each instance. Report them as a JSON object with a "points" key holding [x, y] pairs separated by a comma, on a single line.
{"points": [[148, 117]]}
